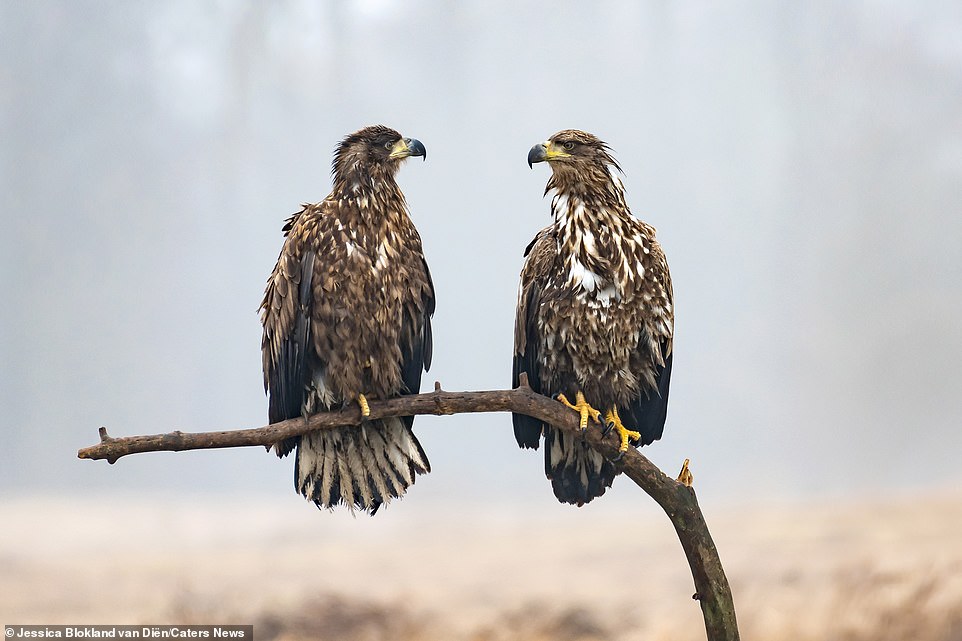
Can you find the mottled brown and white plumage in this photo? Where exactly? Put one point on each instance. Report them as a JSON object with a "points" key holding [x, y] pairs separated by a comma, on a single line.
{"points": [[594, 314], [347, 312]]}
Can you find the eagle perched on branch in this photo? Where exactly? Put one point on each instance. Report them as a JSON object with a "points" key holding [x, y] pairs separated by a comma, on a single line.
{"points": [[594, 321], [347, 317]]}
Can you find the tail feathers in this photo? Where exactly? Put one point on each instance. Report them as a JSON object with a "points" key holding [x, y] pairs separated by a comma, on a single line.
{"points": [[361, 467], [578, 473]]}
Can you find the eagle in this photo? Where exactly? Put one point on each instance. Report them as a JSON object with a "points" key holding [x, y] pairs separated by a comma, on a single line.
{"points": [[346, 318], [594, 319]]}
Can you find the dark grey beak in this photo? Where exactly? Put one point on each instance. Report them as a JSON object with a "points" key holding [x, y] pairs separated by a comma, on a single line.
{"points": [[415, 148], [538, 153]]}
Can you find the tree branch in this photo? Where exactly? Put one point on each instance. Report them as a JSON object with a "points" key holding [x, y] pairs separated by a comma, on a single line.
{"points": [[676, 499]]}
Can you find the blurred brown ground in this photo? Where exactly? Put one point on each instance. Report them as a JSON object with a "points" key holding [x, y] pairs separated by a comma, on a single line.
{"points": [[845, 571]]}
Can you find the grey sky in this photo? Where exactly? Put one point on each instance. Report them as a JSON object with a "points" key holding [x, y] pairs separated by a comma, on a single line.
{"points": [[801, 162]]}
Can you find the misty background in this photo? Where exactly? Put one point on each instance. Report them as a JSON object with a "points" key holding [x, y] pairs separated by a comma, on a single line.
{"points": [[802, 163]]}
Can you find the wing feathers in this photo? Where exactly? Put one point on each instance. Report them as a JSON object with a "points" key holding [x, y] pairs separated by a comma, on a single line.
{"points": [[528, 430], [647, 413], [287, 335]]}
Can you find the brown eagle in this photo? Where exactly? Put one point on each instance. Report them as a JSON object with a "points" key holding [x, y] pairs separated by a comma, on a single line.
{"points": [[347, 317], [595, 319]]}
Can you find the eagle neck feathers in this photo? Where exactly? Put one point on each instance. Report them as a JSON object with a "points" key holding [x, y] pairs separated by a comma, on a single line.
{"points": [[596, 234], [372, 192]]}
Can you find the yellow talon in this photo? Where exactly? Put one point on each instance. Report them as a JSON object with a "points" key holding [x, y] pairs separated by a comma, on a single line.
{"points": [[581, 406], [365, 408], [624, 433], [685, 477]]}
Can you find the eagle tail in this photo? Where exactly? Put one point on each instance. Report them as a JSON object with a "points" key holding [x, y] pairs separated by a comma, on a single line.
{"points": [[361, 467], [578, 473]]}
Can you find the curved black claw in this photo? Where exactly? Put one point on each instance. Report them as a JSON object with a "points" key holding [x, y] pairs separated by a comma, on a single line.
{"points": [[620, 456], [607, 428]]}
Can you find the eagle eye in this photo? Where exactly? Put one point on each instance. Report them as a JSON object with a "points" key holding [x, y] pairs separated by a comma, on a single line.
{"points": [[389, 144], [569, 145]]}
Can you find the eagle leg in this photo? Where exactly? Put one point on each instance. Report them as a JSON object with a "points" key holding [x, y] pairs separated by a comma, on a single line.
{"points": [[365, 408], [581, 406], [614, 421]]}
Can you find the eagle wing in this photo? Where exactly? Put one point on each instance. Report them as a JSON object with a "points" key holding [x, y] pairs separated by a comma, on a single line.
{"points": [[648, 411], [539, 255], [417, 356], [286, 316]]}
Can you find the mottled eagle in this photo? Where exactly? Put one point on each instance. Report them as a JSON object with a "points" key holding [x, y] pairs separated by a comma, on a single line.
{"points": [[347, 317], [595, 319]]}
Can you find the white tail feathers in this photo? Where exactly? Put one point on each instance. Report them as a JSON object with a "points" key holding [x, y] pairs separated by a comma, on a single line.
{"points": [[362, 467]]}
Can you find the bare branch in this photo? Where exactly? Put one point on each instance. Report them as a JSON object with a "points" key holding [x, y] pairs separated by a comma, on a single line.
{"points": [[676, 499]]}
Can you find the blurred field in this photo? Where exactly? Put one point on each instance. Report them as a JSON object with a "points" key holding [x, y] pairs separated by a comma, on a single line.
{"points": [[843, 572]]}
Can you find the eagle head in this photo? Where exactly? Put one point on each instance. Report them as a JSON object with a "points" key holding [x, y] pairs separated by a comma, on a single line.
{"points": [[572, 150], [374, 149]]}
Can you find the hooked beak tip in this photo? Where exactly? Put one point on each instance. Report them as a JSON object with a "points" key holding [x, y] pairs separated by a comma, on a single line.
{"points": [[538, 153]]}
